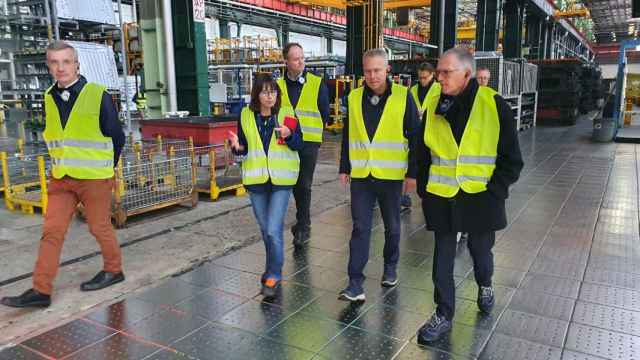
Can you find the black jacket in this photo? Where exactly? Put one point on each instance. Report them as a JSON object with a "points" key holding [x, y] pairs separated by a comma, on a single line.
{"points": [[372, 114], [465, 212]]}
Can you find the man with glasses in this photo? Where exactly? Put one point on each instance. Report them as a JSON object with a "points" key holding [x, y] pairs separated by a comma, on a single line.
{"points": [[468, 155], [483, 74], [84, 138], [309, 97]]}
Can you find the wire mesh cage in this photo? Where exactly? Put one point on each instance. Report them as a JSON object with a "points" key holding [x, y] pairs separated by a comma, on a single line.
{"points": [[154, 174], [529, 79], [505, 75], [24, 180], [217, 171]]}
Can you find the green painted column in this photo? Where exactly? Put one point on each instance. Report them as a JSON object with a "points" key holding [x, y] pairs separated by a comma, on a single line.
{"points": [[154, 58], [190, 49]]}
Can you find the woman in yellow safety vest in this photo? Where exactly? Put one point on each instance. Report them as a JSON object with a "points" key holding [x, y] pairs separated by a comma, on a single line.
{"points": [[269, 169]]}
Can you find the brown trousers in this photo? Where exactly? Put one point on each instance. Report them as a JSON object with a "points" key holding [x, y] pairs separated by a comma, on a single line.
{"points": [[64, 195]]}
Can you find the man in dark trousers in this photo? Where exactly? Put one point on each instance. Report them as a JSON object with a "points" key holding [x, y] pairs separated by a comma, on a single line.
{"points": [[468, 156], [308, 95], [84, 138], [378, 159]]}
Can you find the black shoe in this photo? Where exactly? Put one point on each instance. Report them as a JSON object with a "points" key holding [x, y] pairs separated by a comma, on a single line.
{"points": [[301, 237], [390, 276], [102, 280], [405, 201], [29, 298], [486, 300], [353, 293], [434, 329], [270, 288]]}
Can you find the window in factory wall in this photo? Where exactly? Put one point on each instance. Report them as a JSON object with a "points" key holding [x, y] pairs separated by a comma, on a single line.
{"points": [[339, 48], [251, 30], [312, 45]]}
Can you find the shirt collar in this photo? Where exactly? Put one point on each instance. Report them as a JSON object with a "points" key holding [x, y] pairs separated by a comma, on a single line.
{"points": [[74, 87]]}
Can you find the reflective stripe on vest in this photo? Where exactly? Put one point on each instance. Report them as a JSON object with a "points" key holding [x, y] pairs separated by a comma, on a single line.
{"points": [[386, 156], [306, 109], [469, 166], [281, 164], [80, 150]]}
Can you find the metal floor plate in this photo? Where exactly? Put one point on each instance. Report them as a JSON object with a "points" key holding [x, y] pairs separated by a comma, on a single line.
{"points": [[533, 328], [502, 347], [611, 296], [354, 343], [603, 343], [606, 317], [536, 303]]}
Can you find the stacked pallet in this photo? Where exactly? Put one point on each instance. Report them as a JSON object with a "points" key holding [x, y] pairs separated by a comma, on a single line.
{"points": [[559, 91]]}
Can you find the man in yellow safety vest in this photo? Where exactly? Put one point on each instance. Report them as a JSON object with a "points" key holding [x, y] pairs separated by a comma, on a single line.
{"points": [[84, 138], [308, 95], [468, 155]]}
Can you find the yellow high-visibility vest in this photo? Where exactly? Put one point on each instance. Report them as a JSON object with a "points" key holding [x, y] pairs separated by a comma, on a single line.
{"points": [[306, 110], [422, 106], [80, 150], [470, 166], [281, 164], [386, 156]]}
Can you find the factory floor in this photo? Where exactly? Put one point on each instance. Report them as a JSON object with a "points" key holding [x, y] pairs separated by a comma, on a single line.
{"points": [[567, 277]]}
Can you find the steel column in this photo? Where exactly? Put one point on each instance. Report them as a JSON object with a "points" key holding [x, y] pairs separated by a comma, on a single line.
{"points": [[513, 14], [488, 24], [445, 30]]}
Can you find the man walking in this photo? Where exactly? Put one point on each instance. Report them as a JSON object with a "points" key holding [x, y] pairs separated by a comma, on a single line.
{"points": [[468, 156], [309, 97], [84, 138], [377, 158]]}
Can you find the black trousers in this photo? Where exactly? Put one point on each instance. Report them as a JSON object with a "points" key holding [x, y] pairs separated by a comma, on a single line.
{"points": [[302, 189], [479, 245], [364, 193]]}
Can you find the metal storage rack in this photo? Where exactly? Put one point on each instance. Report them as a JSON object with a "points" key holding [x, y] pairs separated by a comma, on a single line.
{"points": [[505, 75]]}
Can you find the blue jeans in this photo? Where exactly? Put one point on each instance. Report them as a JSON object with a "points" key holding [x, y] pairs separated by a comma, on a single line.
{"points": [[270, 209]]}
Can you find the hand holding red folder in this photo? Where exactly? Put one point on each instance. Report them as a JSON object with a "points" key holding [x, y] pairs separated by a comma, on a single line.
{"points": [[291, 123]]}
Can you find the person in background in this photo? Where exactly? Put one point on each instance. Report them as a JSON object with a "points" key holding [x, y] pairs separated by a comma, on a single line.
{"points": [[308, 95], [483, 75], [269, 170], [84, 138], [468, 156], [426, 83], [377, 159]]}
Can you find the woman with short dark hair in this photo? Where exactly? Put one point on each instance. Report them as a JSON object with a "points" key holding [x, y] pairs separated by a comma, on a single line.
{"points": [[269, 138]]}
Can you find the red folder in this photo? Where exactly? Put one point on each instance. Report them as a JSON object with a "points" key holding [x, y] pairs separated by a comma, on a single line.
{"points": [[291, 123]]}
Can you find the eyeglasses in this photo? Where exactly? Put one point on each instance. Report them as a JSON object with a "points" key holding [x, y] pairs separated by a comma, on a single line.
{"points": [[269, 92], [446, 73]]}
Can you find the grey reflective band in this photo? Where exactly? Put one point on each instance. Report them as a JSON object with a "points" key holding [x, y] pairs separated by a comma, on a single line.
{"points": [[287, 155], [313, 114], [387, 164], [256, 154], [358, 145], [82, 163], [443, 179], [438, 161], [483, 179], [255, 172], [311, 129], [489, 160], [283, 174], [80, 143]]}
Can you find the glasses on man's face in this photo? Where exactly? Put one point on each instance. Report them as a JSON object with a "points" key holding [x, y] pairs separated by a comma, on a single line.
{"points": [[445, 72], [269, 92]]}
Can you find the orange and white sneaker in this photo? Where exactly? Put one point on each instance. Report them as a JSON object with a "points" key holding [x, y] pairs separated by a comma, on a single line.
{"points": [[270, 287]]}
